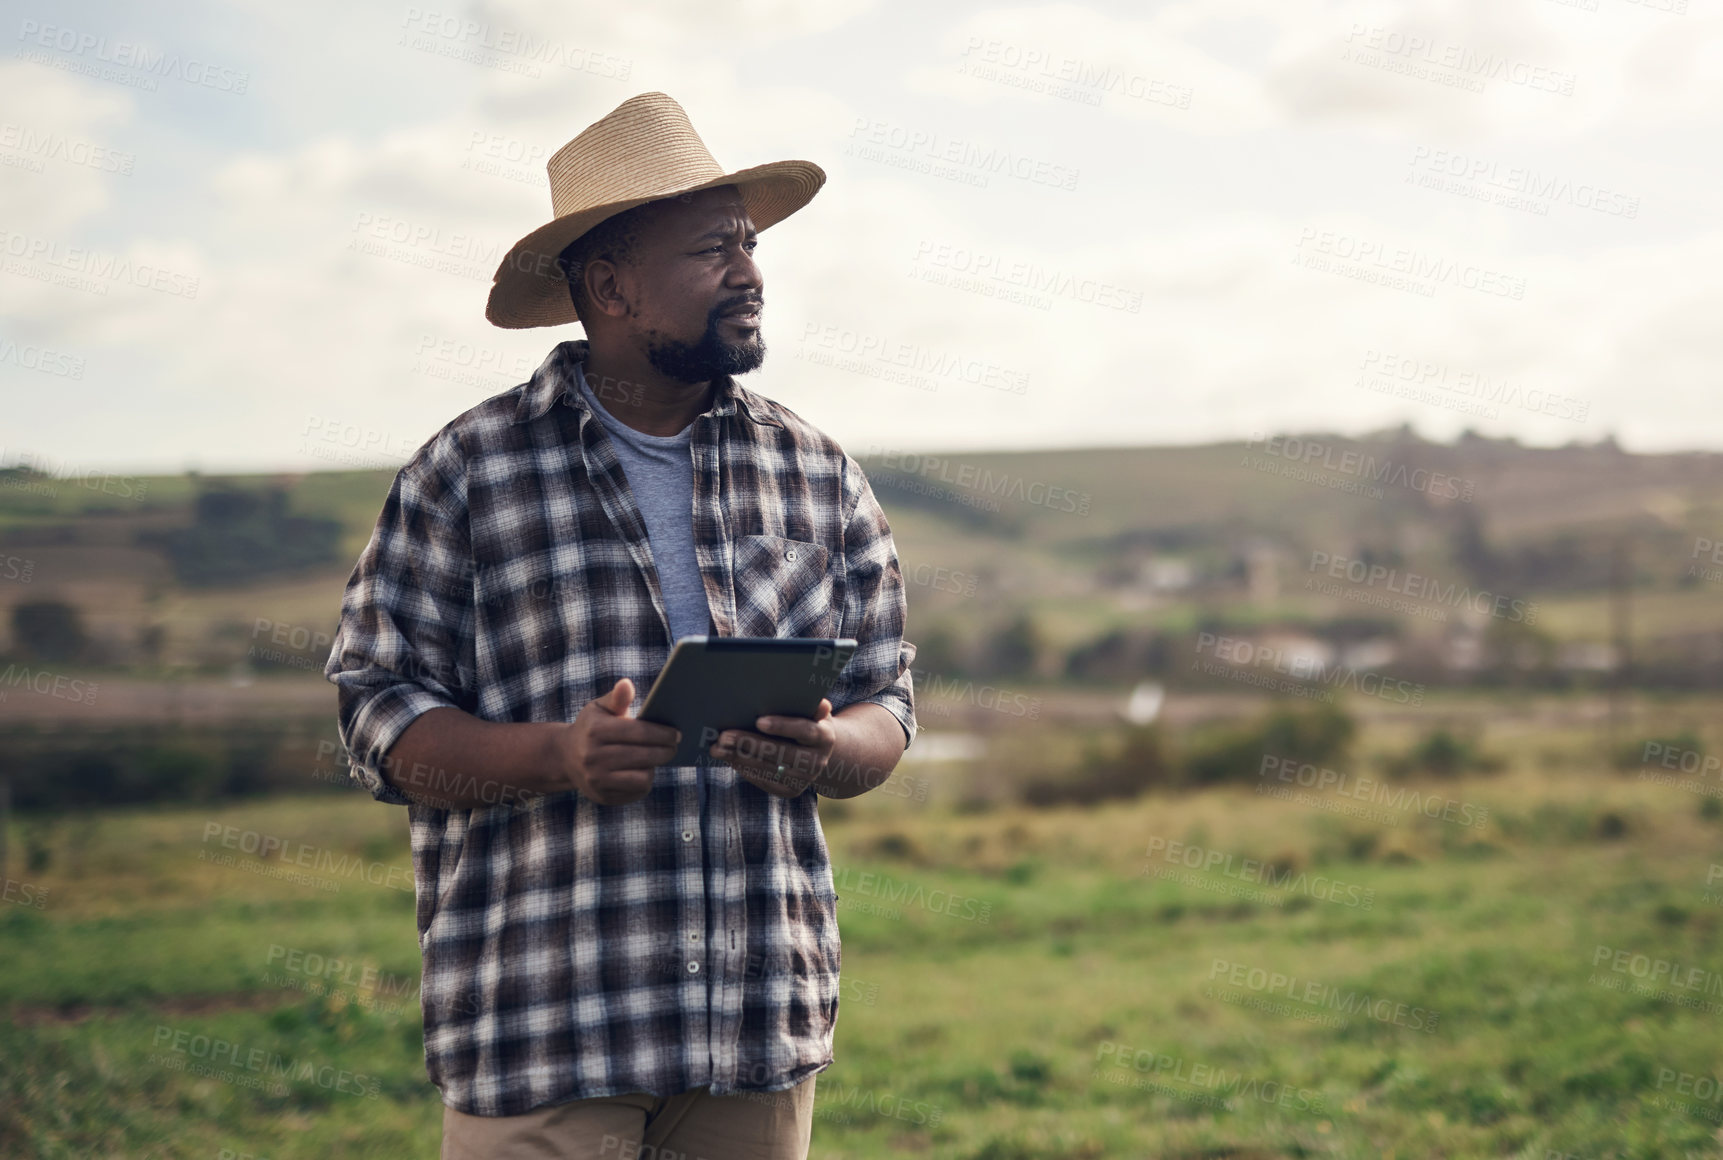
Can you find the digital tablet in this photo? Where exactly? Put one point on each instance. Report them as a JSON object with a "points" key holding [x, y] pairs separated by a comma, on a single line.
{"points": [[714, 683]]}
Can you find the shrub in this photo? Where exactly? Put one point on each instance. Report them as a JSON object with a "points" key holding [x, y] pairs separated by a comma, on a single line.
{"points": [[1016, 649], [1321, 734], [48, 630], [1442, 753], [1137, 762], [1651, 750]]}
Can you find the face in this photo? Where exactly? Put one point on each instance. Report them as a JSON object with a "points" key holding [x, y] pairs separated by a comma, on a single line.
{"points": [[694, 292]]}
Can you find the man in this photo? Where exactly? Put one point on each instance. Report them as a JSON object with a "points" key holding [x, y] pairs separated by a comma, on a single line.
{"points": [[624, 957]]}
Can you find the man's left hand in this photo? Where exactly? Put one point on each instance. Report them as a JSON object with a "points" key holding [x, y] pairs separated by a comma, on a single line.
{"points": [[787, 753]]}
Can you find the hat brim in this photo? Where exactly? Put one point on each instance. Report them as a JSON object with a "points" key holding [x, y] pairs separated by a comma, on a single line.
{"points": [[529, 288]]}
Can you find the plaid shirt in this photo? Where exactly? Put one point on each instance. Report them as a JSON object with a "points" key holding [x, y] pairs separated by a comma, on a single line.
{"points": [[510, 575]]}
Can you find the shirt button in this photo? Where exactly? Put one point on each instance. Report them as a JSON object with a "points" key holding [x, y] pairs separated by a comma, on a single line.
{"points": [[789, 554], [687, 835], [693, 938], [693, 968]]}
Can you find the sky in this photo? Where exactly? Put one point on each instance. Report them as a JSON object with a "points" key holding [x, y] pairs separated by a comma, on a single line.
{"points": [[247, 237]]}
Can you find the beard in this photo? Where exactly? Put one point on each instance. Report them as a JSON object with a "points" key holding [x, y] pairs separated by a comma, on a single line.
{"points": [[711, 356]]}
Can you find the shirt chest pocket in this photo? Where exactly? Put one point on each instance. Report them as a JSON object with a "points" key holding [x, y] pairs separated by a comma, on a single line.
{"points": [[784, 587]]}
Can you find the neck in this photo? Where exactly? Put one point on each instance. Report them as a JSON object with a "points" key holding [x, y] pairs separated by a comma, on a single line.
{"points": [[638, 394]]}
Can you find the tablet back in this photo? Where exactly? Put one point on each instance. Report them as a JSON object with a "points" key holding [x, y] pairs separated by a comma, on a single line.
{"points": [[714, 683]]}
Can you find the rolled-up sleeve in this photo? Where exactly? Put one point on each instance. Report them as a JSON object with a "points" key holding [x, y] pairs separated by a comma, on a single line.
{"points": [[405, 640], [875, 609]]}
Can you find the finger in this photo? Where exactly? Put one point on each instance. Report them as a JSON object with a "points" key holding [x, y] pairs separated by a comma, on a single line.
{"points": [[753, 746], [766, 758], [618, 758], [621, 696], [634, 731], [802, 730]]}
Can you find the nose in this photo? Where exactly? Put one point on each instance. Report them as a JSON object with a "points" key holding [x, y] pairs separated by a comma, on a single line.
{"points": [[744, 273]]}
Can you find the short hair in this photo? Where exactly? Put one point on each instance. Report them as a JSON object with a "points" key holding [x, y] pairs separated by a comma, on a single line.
{"points": [[615, 239]]}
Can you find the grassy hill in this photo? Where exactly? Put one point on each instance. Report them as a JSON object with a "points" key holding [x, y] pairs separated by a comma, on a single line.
{"points": [[1079, 542]]}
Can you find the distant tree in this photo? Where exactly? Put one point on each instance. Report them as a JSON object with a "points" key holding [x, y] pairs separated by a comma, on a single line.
{"points": [[1320, 734], [1016, 648], [152, 640], [49, 630], [239, 535], [938, 650], [1118, 656], [1351, 629], [1110, 657], [1469, 548]]}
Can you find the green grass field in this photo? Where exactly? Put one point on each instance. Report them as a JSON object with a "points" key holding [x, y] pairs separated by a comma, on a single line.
{"points": [[1217, 975]]}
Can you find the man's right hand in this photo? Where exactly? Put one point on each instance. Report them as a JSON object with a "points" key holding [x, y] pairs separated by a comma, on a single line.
{"points": [[608, 755]]}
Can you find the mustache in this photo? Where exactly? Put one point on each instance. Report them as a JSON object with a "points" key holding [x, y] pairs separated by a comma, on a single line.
{"points": [[739, 306]]}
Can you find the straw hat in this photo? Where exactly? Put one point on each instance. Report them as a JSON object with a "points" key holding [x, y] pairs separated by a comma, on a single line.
{"points": [[643, 150]]}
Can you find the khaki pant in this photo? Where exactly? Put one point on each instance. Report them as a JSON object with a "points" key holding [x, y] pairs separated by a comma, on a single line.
{"points": [[693, 1125]]}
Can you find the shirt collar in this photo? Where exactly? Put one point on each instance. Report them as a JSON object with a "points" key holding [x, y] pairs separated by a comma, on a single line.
{"points": [[557, 377]]}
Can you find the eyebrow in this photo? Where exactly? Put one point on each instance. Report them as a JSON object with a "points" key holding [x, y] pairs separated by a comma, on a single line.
{"points": [[724, 232]]}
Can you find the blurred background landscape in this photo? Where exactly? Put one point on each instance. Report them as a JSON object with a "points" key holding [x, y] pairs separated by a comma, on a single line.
{"points": [[1046, 590], [1421, 730], [1299, 424]]}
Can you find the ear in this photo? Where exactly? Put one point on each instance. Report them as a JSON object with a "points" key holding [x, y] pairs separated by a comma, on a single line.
{"points": [[604, 287]]}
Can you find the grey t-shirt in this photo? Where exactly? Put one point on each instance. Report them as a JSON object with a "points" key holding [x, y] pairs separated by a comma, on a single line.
{"points": [[660, 473]]}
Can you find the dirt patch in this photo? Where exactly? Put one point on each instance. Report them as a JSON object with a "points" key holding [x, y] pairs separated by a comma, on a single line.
{"points": [[62, 1014]]}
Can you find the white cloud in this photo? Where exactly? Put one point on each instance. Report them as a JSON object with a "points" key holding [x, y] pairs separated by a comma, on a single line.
{"points": [[273, 200], [1486, 69], [53, 123], [1072, 58]]}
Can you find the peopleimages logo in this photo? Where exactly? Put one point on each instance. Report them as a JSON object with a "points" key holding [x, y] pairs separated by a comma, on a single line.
{"points": [[269, 1065], [28, 143], [1262, 873], [884, 887], [1397, 267], [1365, 789], [1355, 463], [871, 139], [1326, 996], [126, 54], [1367, 44], [56, 685], [1027, 275], [982, 696], [464, 38], [363, 976], [86, 269], [28, 463], [1661, 980], [1429, 381], [1249, 655], [1064, 76], [1421, 587], [1228, 1084], [969, 477], [858, 350], [1516, 181], [42, 359], [286, 850]]}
